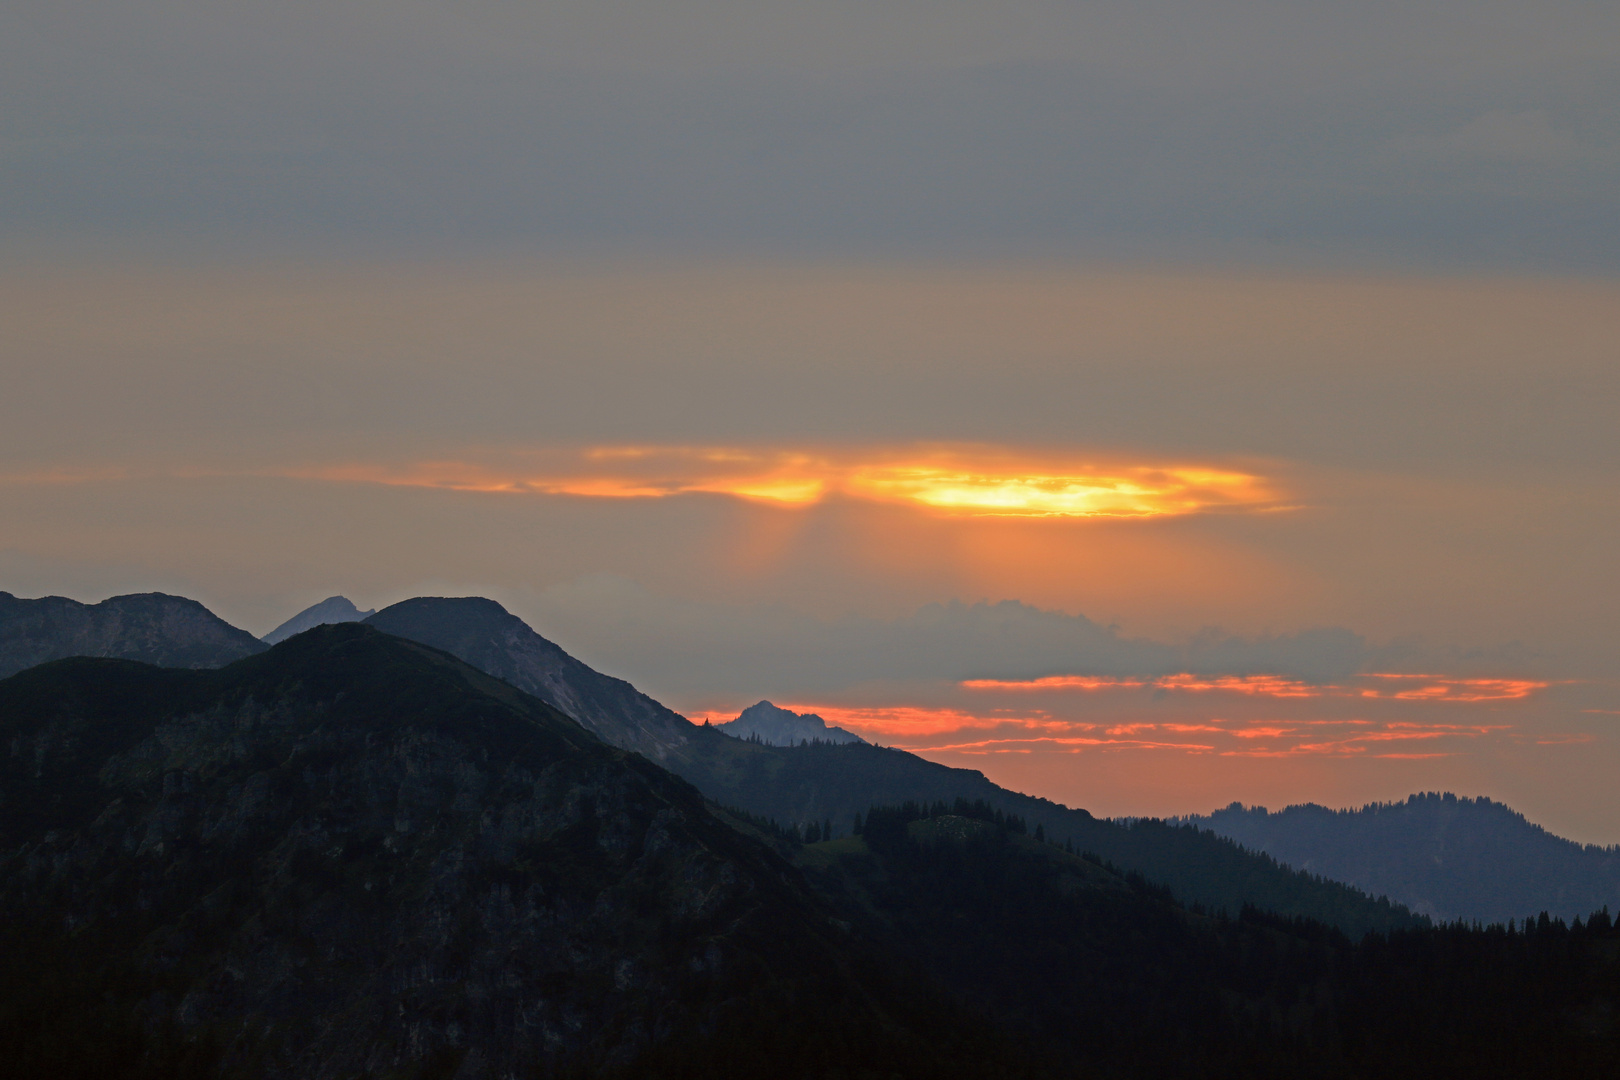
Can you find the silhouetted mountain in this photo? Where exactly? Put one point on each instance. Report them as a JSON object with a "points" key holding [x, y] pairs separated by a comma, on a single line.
{"points": [[355, 855], [1099, 974], [783, 727], [813, 783], [490, 638], [1446, 857], [358, 856], [153, 628], [334, 609], [820, 782]]}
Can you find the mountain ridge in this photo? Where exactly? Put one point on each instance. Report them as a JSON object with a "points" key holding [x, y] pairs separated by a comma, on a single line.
{"points": [[492, 639], [357, 855], [1445, 856], [156, 628], [818, 782], [835, 783]]}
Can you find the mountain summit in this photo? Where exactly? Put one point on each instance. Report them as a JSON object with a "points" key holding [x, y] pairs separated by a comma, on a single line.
{"points": [[334, 609], [783, 727], [492, 639], [154, 628]]}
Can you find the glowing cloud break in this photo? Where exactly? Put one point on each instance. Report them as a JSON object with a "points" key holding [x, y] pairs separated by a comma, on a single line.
{"points": [[1375, 686], [974, 481]]}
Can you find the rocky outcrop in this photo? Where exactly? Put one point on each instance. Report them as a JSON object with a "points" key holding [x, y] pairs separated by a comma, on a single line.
{"points": [[154, 628], [783, 727]]}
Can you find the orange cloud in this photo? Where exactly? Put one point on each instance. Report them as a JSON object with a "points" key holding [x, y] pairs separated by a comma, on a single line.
{"points": [[920, 720], [975, 480], [1359, 743], [919, 729], [1006, 489], [1430, 688], [1070, 744]]}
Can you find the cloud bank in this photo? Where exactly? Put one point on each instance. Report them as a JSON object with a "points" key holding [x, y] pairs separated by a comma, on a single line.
{"points": [[690, 648], [1139, 129]]}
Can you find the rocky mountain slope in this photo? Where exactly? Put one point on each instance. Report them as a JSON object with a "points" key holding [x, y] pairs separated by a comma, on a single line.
{"points": [[357, 856], [490, 638], [783, 727], [1448, 857], [154, 628]]}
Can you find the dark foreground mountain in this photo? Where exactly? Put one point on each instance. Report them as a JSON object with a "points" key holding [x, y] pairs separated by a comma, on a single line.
{"points": [[783, 727], [357, 856], [792, 785], [821, 782], [1448, 857], [334, 609], [154, 628], [1099, 974]]}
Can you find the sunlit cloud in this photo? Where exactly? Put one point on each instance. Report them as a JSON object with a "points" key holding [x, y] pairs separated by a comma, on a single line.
{"points": [[1369, 743], [947, 730], [906, 720], [1373, 686], [983, 481], [1010, 491], [1070, 744]]}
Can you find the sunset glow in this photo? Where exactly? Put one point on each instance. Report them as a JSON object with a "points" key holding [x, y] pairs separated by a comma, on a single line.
{"points": [[1394, 687], [1138, 492], [972, 481], [947, 730]]}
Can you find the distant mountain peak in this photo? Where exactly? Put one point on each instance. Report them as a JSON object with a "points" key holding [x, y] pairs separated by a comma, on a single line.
{"points": [[1441, 854], [784, 727], [153, 628], [334, 609]]}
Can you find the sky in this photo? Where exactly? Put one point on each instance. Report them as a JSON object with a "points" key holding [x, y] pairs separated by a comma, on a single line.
{"points": [[1150, 405]]}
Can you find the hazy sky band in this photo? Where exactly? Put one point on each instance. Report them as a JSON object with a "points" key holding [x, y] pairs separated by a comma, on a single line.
{"points": [[1441, 133], [865, 355]]}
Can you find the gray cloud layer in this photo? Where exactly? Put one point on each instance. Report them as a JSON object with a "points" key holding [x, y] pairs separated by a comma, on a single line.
{"points": [[1437, 132], [687, 648]]}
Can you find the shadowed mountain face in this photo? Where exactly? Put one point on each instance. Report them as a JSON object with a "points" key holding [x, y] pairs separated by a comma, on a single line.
{"points": [[800, 784], [803, 784], [355, 855], [334, 609], [1104, 977], [784, 727], [490, 638], [153, 628], [1446, 857]]}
